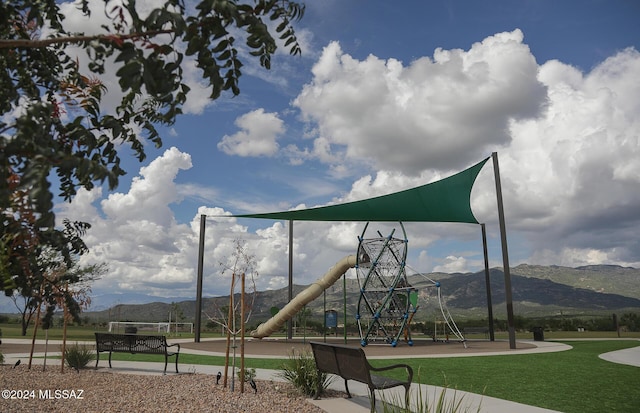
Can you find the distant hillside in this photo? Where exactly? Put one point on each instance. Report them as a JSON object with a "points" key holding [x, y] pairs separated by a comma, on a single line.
{"points": [[537, 291], [611, 279], [530, 295]]}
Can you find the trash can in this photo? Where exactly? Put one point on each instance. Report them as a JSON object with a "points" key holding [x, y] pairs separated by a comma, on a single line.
{"points": [[538, 333]]}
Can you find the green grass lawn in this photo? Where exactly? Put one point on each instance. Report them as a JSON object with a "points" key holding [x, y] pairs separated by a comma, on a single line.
{"points": [[569, 381]]}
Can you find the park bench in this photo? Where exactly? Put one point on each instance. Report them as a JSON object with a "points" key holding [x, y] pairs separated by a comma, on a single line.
{"points": [[135, 344], [350, 363], [476, 330]]}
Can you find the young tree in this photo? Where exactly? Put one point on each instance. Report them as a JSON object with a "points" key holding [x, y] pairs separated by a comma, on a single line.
{"points": [[54, 286], [241, 265], [63, 287], [175, 316], [28, 262], [41, 80], [302, 316]]}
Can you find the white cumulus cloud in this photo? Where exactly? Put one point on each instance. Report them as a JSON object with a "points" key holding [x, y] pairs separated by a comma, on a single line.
{"points": [[441, 112], [258, 135]]}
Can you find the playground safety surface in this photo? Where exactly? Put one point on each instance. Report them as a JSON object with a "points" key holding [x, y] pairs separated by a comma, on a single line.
{"points": [[420, 347], [273, 347]]}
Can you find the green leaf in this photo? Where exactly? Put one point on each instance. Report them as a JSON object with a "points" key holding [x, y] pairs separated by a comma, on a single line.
{"points": [[222, 45], [127, 52], [225, 55], [282, 26]]}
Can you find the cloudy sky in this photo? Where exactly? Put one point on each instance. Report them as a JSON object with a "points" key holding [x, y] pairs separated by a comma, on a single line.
{"points": [[387, 96]]}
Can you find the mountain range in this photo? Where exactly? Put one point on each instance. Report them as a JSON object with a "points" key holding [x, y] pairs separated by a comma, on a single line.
{"points": [[537, 291]]}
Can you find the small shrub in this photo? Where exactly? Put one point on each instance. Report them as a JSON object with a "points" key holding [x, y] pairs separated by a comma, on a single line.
{"points": [[78, 356], [300, 370], [249, 374]]}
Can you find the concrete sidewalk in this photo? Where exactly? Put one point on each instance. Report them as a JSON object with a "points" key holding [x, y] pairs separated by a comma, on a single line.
{"points": [[630, 356]]}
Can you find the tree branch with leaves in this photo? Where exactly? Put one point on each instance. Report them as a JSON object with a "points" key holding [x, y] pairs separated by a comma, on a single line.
{"points": [[52, 117]]}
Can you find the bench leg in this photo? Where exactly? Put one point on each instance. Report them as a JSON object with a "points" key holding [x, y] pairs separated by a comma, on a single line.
{"points": [[406, 396], [166, 360], [97, 360], [109, 359], [372, 395], [346, 386]]}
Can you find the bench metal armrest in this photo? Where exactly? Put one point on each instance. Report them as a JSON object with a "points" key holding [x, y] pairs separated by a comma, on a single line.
{"points": [[396, 366]]}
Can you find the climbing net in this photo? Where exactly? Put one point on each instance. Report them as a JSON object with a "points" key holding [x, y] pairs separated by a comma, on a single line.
{"points": [[385, 301]]}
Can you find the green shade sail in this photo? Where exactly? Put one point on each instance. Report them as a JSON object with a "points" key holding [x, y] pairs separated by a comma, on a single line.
{"points": [[446, 200]]}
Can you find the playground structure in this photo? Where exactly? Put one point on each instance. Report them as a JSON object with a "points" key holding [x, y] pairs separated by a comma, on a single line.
{"points": [[386, 299], [386, 303]]}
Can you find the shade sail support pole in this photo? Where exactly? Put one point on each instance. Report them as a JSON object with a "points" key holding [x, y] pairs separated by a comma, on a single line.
{"points": [[290, 293], [505, 255], [487, 278], [203, 224]]}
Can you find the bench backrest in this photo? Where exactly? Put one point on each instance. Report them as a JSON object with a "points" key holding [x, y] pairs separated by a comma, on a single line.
{"points": [[132, 343], [347, 362]]}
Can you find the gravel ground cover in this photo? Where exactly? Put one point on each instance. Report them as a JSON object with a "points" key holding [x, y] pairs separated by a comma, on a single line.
{"points": [[34, 390]]}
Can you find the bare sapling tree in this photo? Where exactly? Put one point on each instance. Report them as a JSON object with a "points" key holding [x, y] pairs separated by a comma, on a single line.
{"points": [[241, 265]]}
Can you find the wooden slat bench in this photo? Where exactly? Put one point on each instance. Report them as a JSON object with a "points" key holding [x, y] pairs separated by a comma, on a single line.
{"points": [[350, 363], [133, 343]]}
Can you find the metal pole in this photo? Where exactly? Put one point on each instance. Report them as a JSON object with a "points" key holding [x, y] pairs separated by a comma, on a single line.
{"points": [[505, 255], [324, 308], [344, 304], [290, 321], [232, 328], [203, 224], [242, 316], [487, 278]]}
